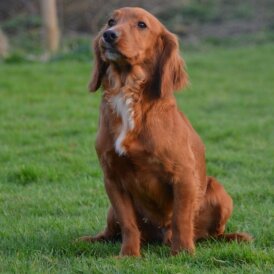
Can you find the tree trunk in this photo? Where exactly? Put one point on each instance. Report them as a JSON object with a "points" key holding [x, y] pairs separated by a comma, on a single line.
{"points": [[4, 45], [50, 23]]}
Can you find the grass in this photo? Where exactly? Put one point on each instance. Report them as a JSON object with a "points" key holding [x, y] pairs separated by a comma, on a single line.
{"points": [[51, 189]]}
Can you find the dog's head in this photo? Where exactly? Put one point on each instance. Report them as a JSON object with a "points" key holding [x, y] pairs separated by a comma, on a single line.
{"points": [[131, 37]]}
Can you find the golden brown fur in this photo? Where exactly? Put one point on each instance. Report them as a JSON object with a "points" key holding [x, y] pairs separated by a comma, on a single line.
{"points": [[153, 160]]}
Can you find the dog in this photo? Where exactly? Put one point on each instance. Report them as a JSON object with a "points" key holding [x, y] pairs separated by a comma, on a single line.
{"points": [[152, 159]]}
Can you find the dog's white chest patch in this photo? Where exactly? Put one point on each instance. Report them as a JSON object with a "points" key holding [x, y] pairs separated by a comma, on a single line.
{"points": [[123, 108]]}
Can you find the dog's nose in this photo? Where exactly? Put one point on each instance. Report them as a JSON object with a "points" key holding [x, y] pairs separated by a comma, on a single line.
{"points": [[110, 36]]}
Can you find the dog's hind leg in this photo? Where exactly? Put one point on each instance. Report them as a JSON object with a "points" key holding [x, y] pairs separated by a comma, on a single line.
{"points": [[214, 213]]}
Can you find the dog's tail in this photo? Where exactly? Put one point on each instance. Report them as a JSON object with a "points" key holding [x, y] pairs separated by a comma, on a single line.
{"points": [[238, 237]]}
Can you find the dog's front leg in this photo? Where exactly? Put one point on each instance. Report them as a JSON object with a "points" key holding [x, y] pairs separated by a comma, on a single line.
{"points": [[125, 213], [184, 204]]}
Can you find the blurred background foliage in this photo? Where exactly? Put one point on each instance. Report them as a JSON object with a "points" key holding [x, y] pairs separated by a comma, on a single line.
{"points": [[198, 23]]}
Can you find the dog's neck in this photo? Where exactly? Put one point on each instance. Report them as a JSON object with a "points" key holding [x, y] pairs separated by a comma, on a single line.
{"points": [[123, 92], [127, 81]]}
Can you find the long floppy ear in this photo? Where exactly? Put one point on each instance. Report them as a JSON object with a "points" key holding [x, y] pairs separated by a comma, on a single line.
{"points": [[169, 74], [99, 69]]}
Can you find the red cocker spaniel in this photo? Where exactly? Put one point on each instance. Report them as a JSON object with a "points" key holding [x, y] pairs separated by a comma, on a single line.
{"points": [[152, 158]]}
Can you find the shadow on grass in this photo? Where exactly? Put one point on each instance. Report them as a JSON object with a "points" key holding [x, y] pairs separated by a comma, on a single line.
{"points": [[56, 244], [64, 245]]}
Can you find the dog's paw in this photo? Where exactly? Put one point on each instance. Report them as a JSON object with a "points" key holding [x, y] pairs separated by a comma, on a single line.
{"points": [[91, 239], [130, 251], [187, 247]]}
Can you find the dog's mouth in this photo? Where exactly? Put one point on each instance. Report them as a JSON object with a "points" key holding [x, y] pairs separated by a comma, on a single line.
{"points": [[110, 52]]}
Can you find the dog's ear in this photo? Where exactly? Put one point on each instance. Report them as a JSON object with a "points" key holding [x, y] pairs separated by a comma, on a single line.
{"points": [[169, 71], [99, 68]]}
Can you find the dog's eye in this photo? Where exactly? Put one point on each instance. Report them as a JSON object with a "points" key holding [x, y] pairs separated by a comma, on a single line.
{"points": [[111, 22], [142, 25]]}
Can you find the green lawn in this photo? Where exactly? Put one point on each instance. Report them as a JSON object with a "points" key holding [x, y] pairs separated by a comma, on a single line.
{"points": [[51, 189]]}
